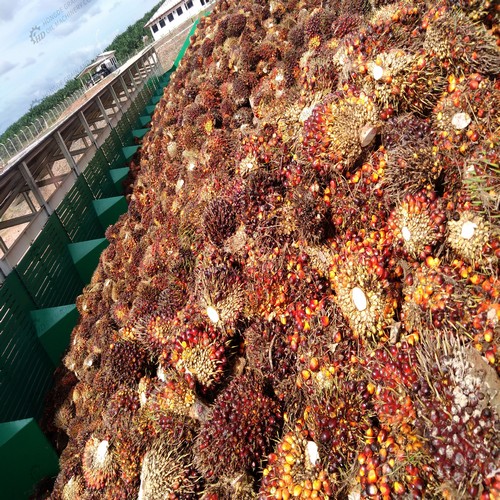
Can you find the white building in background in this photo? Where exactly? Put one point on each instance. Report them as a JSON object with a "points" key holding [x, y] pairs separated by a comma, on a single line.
{"points": [[173, 13]]}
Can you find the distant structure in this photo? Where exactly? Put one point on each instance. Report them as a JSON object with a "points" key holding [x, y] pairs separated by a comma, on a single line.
{"points": [[173, 13], [103, 66]]}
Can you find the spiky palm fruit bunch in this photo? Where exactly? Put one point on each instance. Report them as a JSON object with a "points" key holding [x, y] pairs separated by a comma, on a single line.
{"points": [[473, 238], [363, 293], [99, 466], [295, 468], [240, 486], [418, 223], [126, 360], [402, 81], [74, 488], [167, 472], [411, 164], [434, 296], [154, 332], [168, 395], [466, 115], [469, 48], [221, 291], [198, 353], [338, 130], [458, 417], [331, 132], [337, 418], [219, 221], [239, 429]]}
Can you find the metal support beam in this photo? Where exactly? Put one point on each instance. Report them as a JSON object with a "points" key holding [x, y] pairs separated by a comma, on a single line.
{"points": [[116, 100], [124, 86], [103, 111], [65, 151], [25, 172], [86, 126], [27, 199]]}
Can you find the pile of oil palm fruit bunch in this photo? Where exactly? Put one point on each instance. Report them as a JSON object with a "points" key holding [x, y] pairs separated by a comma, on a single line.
{"points": [[302, 300]]}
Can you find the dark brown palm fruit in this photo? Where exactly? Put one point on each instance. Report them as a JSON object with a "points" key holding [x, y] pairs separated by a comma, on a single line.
{"points": [[296, 35], [235, 25], [167, 472], [239, 431], [295, 468], [219, 220], [126, 360], [458, 417], [240, 92], [319, 24]]}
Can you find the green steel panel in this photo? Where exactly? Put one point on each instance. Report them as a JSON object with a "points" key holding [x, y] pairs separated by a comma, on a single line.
{"points": [[76, 214], [109, 209], [118, 175], [26, 457], [123, 128], [53, 326], [85, 256], [99, 182], [25, 369], [47, 270], [156, 99], [111, 147], [150, 109]]}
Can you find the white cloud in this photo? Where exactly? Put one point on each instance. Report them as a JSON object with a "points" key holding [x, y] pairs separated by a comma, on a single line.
{"points": [[5, 67], [29, 62]]}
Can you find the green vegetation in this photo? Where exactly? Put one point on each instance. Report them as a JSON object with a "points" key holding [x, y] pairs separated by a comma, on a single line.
{"points": [[125, 45]]}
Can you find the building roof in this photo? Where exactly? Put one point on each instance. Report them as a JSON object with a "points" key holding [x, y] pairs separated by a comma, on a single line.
{"points": [[100, 58], [164, 8]]}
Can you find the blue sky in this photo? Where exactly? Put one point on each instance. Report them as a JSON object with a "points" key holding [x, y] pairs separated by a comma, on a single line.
{"points": [[47, 42]]}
